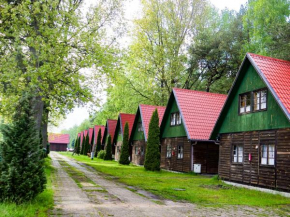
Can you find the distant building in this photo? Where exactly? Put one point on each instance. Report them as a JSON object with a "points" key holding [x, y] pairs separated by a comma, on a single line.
{"points": [[58, 142]]}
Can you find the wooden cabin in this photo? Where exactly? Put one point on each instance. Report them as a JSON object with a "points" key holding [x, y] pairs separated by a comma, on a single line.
{"points": [[118, 138], [139, 136], [185, 131], [253, 128], [109, 130], [95, 135], [91, 134], [58, 142]]}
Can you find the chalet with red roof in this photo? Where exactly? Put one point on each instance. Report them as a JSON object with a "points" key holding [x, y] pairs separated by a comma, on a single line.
{"points": [[109, 130], [95, 135], [58, 142], [118, 138], [253, 128], [139, 135], [185, 131]]}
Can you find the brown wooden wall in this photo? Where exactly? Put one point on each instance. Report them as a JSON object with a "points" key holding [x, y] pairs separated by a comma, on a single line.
{"points": [[251, 172], [206, 154], [138, 159], [181, 165], [117, 154], [57, 147]]}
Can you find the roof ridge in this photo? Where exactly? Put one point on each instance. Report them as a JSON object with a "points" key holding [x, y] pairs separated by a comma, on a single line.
{"points": [[267, 57], [199, 91]]}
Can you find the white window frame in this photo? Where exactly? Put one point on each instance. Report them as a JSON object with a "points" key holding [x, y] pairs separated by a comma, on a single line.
{"points": [[180, 152], [175, 119], [168, 151], [268, 154], [238, 153]]}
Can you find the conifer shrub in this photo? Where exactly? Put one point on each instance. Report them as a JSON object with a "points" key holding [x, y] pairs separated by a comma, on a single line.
{"points": [[152, 156], [78, 149], [124, 157], [22, 174], [99, 143], [101, 154], [87, 145], [108, 155]]}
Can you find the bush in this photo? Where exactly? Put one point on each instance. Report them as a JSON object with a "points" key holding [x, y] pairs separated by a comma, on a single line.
{"points": [[108, 155], [99, 145], [101, 154], [152, 156], [124, 157], [22, 174]]}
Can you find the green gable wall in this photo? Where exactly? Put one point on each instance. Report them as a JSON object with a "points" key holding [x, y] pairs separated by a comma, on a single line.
{"points": [[137, 135], [119, 136], [272, 118], [174, 131]]}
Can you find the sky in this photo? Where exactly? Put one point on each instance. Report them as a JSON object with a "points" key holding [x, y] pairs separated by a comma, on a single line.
{"points": [[79, 114]]}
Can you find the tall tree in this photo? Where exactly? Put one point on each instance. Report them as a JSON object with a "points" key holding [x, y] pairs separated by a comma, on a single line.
{"points": [[99, 143], [124, 156], [152, 156], [22, 174], [43, 47], [108, 155]]}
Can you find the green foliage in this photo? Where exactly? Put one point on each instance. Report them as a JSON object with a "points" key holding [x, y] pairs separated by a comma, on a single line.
{"points": [[152, 156], [101, 154], [22, 175], [77, 146], [99, 143], [124, 156], [86, 145], [108, 155]]}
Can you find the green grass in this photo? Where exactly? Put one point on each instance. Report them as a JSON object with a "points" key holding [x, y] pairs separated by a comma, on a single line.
{"points": [[198, 189], [39, 206]]}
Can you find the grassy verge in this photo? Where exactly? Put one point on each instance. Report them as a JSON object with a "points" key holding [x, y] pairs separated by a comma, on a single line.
{"points": [[190, 187], [39, 206]]}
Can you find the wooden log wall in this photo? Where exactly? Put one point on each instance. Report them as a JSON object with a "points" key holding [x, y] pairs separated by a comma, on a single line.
{"points": [[138, 158], [252, 172]]}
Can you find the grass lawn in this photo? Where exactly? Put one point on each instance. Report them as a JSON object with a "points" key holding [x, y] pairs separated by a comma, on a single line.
{"points": [[195, 188], [39, 206]]}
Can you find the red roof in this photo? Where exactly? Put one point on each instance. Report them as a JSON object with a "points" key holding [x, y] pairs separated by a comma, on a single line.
{"points": [[146, 112], [58, 138], [79, 134], [82, 136], [126, 118], [91, 130], [276, 74], [199, 111], [85, 133], [111, 127], [96, 131]]}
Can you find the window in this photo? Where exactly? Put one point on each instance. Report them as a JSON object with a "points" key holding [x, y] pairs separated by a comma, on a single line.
{"points": [[245, 103], [260, 100], [180, 152], [140, 128], [268, 155], [168, 151], [137, 150], [118, 149], [238, 153], [142, 150], [175, 119]]}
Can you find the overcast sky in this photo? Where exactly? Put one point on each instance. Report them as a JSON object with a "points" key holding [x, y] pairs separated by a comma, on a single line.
{"points": [[132, 8]]}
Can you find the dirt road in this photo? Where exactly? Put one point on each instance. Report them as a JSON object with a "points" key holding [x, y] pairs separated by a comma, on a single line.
{"points": [[81, 191]]}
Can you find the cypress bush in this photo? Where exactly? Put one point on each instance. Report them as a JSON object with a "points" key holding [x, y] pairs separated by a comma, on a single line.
{"points": [[108, 155], [82, 146], [99, 145], [101, 154], [22, 174], [78, 149], [124, 157], [87, 145], [152, 156]]}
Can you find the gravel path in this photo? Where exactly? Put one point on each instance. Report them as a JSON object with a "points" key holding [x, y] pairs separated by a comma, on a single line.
{"points": [[103, 197]]}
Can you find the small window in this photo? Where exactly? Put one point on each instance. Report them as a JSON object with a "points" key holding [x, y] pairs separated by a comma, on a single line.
{"points": [[142, 150], [268, 155], [168, 151], [175, 119], [118, 149], [260, 100], [245, 103], [180, 152], [137, 150], [140, 128], [238, 153]]}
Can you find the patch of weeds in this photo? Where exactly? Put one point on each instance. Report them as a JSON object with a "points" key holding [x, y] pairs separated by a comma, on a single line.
{"points": [[217, 187], [216, 178], [131, 189], [159, 202]]}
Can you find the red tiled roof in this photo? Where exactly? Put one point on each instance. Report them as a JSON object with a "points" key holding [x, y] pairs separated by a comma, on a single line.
{"points": [[58, 138], [199, 111], [96, 131], [146, 112], [111, 125], [85, 133], [79, 134], [82, 136], [91, 130], [127, 118], [276, 74]]}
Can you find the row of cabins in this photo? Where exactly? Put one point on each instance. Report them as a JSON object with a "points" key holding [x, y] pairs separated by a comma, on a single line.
{"points": [[243, 136]]}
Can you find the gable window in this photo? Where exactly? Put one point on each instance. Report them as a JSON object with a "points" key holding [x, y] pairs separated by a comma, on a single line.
{"points": [[168, 151], [260, 100], [140, 128], [245, 103], [180, 152], [175, 119], [267, 154], [238, 153]]}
